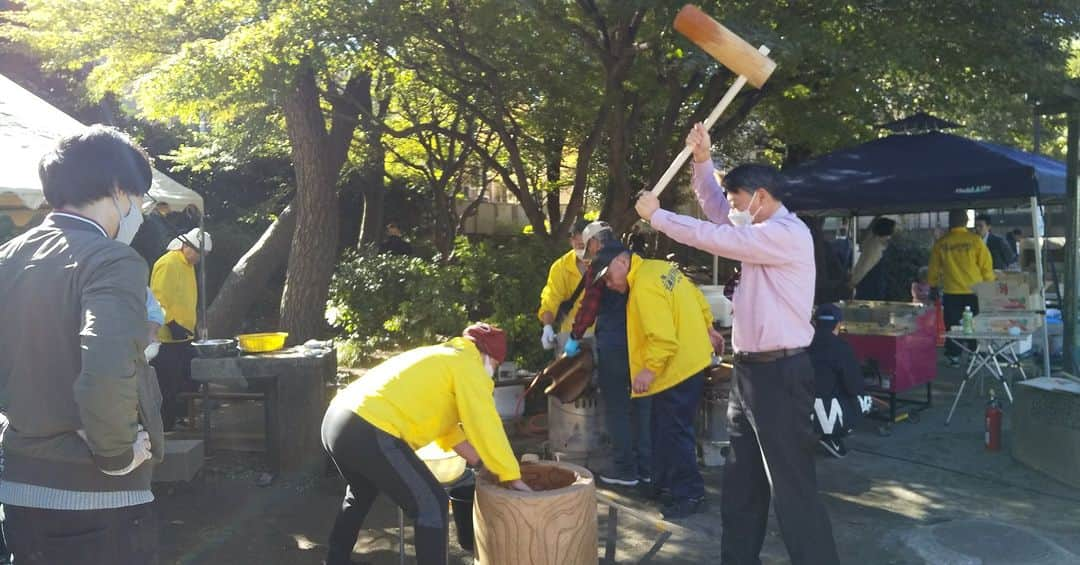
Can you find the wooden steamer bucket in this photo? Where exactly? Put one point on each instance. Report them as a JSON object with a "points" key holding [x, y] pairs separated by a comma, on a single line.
{"points": [[554, 525]]}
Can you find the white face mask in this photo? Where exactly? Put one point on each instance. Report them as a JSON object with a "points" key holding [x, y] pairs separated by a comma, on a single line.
{"points": [[743, 217], [129, 223], [580, 253], [489, 366]]}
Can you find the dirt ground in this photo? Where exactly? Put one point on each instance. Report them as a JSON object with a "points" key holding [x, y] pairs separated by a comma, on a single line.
{"points": [[924, 494]]}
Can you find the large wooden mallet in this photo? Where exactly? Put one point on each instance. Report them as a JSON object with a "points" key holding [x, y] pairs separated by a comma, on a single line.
{"points": [[752, 65]]}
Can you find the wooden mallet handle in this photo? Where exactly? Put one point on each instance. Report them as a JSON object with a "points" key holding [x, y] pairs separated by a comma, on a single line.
{"points": [[683, 155]]}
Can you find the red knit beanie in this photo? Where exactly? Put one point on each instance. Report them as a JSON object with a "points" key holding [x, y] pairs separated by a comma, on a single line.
{"points": [[489, 340]]}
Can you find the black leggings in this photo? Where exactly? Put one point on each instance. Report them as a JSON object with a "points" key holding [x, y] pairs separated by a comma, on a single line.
{"points": [[372, 461]]}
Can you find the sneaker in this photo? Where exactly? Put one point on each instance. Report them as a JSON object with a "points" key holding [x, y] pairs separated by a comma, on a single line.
{"points": [[834, 447], [953, 361], [684, 508], [612, 479]]}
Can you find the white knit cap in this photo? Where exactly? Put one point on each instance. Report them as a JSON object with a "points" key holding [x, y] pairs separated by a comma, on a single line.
{"points": [[191, 238]]}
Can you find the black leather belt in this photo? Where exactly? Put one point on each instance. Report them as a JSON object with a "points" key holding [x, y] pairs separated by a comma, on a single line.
{"points": [[766, 356]]}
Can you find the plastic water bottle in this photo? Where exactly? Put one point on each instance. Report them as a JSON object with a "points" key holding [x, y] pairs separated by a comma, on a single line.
{"points": [[968, 322]]}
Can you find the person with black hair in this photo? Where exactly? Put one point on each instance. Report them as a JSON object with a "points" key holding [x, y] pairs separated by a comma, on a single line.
{"points": [[394, 243], [958, 261], [74, 382], [772, 437], [868, 277], [1001, 253]]}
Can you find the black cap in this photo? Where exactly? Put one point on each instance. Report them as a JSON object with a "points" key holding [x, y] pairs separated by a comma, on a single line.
{"points": [[607, 253], [579, 226]]}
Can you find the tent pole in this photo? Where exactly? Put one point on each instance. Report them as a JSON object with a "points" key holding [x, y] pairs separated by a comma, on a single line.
{"points": [[715, 270], [1042, 285], [1072, 231]]}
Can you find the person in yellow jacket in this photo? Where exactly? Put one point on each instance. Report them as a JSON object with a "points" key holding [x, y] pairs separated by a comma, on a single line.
{"points": [[671, 341], [442, 394], [173, 284], [562, 294], [959, 261]]}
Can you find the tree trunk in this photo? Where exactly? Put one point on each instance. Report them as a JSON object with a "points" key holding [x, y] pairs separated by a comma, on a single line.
{"points": [[250, 275], [314, 242]]}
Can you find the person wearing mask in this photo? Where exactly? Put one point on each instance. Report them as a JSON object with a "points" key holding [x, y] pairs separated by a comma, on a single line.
{"points": [[628, 419], [840, 392], [868, 277], [1001, 253], [772, 394], [562, 294], [174, 286], [441, 393], [958, 261], [670, 341], [74, 383]]}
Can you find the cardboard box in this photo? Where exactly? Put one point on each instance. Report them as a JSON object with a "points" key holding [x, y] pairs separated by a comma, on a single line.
{"points": [[1011, 291], [1009, 303], [1001, 322]]}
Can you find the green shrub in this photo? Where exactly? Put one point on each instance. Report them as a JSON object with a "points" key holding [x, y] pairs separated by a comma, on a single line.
{"points": [[381, 302]]}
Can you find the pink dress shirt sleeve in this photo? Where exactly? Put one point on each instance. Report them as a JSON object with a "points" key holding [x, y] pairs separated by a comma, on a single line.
{"points": [[767, 243], [709, 193]]}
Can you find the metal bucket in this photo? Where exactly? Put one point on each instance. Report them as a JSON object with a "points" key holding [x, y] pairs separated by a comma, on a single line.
{"points": [[576, 427], [712, 422]]}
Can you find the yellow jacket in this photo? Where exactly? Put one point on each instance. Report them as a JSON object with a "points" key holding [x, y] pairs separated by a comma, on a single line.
{"points": [[563, 279], [422, 395], [667, 324], [958, 261], [173, 284]]}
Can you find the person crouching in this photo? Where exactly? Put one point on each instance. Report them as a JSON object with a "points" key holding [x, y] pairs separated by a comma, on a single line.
{"points": [[441, 393]]}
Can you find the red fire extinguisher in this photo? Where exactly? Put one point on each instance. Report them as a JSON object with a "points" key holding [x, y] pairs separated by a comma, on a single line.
{"points": [[993, 423]]}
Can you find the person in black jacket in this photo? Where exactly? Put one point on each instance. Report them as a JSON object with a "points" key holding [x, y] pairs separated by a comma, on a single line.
{"points": [[1000, 251], [839, 398]]}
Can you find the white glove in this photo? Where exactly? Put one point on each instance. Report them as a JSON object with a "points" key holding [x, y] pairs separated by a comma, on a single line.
{"points": [[140, 452], [151, 351], [548, 340]]}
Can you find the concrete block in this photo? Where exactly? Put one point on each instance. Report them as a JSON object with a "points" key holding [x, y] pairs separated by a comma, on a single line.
{"points": [[183, 458], [1046, 427]]}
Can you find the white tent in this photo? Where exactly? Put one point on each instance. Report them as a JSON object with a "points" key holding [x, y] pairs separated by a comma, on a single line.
{"points": [[29, 126]]}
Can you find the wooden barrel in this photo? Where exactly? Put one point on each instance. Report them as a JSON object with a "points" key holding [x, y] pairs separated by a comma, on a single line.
{"points": [[554, 525]]}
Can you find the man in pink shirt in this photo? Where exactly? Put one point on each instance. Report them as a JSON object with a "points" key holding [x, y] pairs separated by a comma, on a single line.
{"points": [[772, 437]]}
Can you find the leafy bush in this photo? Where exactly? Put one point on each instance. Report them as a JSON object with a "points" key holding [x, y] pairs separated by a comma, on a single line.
{"points": [[381, 302]]}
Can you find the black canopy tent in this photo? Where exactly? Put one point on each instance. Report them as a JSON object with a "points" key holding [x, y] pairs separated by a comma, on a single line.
{"points": [[925, 173]]}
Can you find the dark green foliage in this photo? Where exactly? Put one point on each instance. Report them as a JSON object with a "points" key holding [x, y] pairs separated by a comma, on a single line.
{"points": [[383, 302]]}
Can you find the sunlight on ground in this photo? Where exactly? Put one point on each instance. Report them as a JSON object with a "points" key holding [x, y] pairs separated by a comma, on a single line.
{"points": [[894, 497], [303, 543]]}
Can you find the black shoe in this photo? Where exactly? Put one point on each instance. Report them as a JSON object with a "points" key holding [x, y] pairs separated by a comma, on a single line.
{"points": [[684, 508], [655, 494], [834, 447], [614, 480]]}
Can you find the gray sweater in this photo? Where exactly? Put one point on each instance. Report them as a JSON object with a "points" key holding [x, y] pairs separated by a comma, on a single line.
{"points": [[73, 330]]}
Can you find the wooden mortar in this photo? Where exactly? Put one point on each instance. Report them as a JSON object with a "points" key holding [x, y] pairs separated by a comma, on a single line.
{"points": [[554, 525]]}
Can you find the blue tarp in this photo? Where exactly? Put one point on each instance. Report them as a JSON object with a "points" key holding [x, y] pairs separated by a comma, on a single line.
{"points": [[927, 172]]}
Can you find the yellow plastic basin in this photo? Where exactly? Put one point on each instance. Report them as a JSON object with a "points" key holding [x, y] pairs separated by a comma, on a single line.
{"points": [[262, 342], [447, 466]]}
